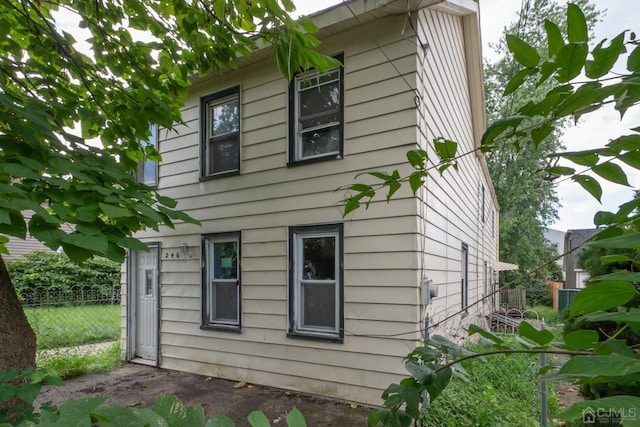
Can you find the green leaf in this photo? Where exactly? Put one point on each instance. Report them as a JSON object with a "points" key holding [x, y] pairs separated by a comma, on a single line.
{"points": [[295, 418], [626, 241], [582, 158], [422, 373], [522, 52], [570, 60], [114, 212], [416, 180], [220, 420], [475, 329], [176, 413], [417, 158], [612, 259], [517, 80], [541, 338], [627, 406], [581, 339], [96, 244], [76, 412], [611, 172], [7, 392], [166, 201], [590, 184], [561, 170], [442, 379], [604, 58], [630, 316], [258, 419], [445, 149], [633, 61], [539, 133], [602, 296], [554, 38], [498, 127], [632, 158], [577, 30], [591, 367]]}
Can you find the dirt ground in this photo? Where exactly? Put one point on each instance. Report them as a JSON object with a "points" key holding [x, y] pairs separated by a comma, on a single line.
{"points": [[139, 385]]}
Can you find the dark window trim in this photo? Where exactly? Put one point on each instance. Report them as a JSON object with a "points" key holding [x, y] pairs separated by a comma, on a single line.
{"points": [[292, 161], [292, 333], [204, 282], [204, 138], [464, 264]]}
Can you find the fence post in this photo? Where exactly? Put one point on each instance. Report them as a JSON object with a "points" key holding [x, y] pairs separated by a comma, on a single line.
{"points": [[543, 386]]}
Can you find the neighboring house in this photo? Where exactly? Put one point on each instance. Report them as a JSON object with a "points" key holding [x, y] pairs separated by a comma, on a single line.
{"points": [[18, 247], [576, 277], [276, 287], [556, 241]]}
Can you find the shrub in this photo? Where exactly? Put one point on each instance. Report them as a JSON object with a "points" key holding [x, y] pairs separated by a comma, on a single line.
{"points": [[55, 274]]}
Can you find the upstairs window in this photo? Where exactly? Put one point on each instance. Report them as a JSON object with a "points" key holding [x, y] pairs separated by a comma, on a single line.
{"points": [[220, 114], [316, 115], [148, 169]]}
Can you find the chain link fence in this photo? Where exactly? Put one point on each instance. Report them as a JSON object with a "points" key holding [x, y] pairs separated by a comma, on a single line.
{"points": [[74, 316]]}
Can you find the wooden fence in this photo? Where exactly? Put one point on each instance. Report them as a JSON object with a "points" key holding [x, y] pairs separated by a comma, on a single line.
{"points": [[553, 292]]}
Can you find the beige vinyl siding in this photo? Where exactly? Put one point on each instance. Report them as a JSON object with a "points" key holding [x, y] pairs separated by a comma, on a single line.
{"points": [[380, 250], [451, 205], [19, 247]]}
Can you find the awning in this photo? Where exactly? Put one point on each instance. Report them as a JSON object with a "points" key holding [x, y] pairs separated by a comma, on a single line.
{"points": [[503, 266]]}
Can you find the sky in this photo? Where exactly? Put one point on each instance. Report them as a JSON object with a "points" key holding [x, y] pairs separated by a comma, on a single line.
{"points": [[577, 206]]}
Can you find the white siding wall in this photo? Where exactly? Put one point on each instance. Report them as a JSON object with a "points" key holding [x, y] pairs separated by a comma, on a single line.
{"points": [[451, 204], [380, 250]]}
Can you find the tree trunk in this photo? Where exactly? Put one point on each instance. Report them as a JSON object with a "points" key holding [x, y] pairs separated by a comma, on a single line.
{"points": [[17, 339]]}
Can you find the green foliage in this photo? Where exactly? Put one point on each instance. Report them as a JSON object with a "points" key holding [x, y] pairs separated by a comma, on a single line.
{"points": [[18, 390], [498, 391], [71, 363], [113, 96], [48, 271], [167, 411], [69, 325]]}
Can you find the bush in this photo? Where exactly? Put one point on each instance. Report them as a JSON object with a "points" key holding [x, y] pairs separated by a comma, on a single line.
{"points": [[55, 274], [498, 391]]}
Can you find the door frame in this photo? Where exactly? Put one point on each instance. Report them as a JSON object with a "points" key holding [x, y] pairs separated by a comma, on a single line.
{"points": [[131, 311]]}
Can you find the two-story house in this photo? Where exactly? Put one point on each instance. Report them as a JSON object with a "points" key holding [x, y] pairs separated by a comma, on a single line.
{"points": [[276, 287]]}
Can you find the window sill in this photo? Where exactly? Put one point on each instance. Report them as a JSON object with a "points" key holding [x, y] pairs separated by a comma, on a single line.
{"points": [[293, 163], [314, 337], [222, 328], [219, 175]]}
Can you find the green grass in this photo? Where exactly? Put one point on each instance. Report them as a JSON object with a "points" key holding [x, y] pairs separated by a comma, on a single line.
{"points": [[551, 316], [70, 364], [70, 326], [499, 392]]}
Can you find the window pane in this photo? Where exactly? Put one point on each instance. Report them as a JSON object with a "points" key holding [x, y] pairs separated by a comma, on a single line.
{"points": [[225, 117], [320, 141], [148, 169], [314, 79], [225, 301], [225, 155], [319, 305], [149, 173], [319, 99], [319, 258], [225, 260]]}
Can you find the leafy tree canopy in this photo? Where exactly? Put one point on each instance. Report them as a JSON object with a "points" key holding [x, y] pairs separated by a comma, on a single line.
{"points": [[143, 55]]}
